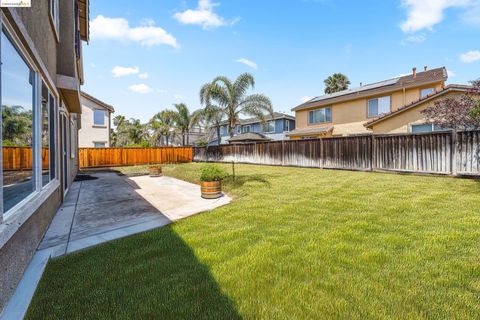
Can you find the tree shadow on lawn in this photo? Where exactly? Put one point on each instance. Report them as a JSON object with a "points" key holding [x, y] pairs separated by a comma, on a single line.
{"points": [[152, 275], [241, 180]]}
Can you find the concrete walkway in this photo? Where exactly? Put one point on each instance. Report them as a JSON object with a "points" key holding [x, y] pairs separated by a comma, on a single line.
{"points": [[107, 208]]}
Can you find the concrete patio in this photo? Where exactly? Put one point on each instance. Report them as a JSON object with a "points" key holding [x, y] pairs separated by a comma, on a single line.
{"points": [[106, 208]]}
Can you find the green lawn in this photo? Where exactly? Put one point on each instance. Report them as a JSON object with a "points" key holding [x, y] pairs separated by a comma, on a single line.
{"points": [[295, 244]]}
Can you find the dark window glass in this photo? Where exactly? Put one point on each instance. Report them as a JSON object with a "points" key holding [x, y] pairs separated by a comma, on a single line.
{"points": [[45, 135], [17, 81], [320, 116], [52, 123]]}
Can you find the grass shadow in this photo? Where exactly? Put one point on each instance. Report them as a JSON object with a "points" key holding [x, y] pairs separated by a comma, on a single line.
{"points": [[240, 180], [152, 275]]}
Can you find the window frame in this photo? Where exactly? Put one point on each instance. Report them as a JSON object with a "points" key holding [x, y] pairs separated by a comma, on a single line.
{"points": [[267, 124], [377, 98], [104, 125], [54, 17], [325, 115], [423, 89], [103, 142], [246, 126], [33, 199]]}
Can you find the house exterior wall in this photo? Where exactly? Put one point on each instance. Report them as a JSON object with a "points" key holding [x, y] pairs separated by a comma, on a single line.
{"points": [[90, 133], [402, 122], [23, 227], [278, 134], [349, 117]]}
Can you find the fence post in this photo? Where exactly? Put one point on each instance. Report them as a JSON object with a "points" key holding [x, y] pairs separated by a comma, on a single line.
{"points": [[453, 153], [373, 149], [283, 152]]}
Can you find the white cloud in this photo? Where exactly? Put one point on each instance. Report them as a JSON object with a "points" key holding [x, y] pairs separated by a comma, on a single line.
{"points": [[203, 16], [124, 71], [178, 97], [472, 15], [470, 56], [147, 34], [140, 88], [247, 62], [424, 14], [143, 75], [451, 74], [306, 98]]}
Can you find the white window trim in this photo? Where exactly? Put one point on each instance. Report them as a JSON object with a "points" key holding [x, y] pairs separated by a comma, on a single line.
{"points": [[377, 98], [24, 207], [429, 88], [272, 131], [245, 126], [323, 108], [287, 125]]}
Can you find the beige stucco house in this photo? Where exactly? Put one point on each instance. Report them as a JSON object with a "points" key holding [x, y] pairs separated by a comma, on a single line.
{"points": [[96, 123], [348, 112], [41, 74]]}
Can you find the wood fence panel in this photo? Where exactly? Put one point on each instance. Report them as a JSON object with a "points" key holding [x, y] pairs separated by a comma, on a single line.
{"points": [[114, 157], [21, 158], [437, 152]]}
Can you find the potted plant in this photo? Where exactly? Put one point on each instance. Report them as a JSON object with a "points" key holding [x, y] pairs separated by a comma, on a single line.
{"points": [[211, 177], [155, 171]]}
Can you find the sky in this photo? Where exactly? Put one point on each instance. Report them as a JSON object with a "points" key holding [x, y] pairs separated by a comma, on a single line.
{"points": [[144, 56]]}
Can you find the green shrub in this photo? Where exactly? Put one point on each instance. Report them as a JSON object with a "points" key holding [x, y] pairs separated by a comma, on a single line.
{"points": [[211, 172]]}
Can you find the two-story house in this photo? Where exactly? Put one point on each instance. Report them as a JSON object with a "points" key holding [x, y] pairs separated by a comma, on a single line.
{"points": [[96, 123], [41, 73], [352, 111], [247, 130]]}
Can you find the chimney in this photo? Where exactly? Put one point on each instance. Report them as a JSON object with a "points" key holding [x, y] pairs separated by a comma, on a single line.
{"points": [[414, 72], [425, 68], [361, 84]]}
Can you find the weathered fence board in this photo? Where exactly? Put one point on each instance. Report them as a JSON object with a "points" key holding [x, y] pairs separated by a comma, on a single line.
{"points": [[114, 157], [439, 152]]}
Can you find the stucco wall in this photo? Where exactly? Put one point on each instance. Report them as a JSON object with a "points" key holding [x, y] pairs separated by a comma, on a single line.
{"points": [[401, 123], [89, 133], [18, 251], [41, 33], [349, 117]]}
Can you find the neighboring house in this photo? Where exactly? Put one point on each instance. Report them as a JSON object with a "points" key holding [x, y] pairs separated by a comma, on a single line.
{"points": [[41, 73], [275, 128], [409, 118], [96, 123], [347, 112], [248, 137]]}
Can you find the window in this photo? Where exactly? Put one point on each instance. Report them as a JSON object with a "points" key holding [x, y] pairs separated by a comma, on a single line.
{"points": [[425, 92], [54, 14], [53, 111], [99, 144], [287, 125], [378, 106], [45, 123], [246, 129], [98, 117], [426, 127], [73, 136], [17, 98], [239, 129], [270, 126], [320, 116]]}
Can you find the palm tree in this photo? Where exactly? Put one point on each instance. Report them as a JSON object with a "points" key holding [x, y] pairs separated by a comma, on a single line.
{"points": [[336, 82], [232, 99], [137, 132], [162, 124], [212, 116], [185, 121]]}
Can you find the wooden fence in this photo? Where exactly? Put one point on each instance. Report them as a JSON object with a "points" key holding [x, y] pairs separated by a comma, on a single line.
{"points": [[21, 158], [439, 152], [115, 157]]}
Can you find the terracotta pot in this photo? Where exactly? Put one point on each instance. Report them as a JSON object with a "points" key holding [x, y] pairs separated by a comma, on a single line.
{"points": [[211, 189], [155, 171]]}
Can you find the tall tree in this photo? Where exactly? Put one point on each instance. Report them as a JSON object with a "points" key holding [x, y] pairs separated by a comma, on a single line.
{"points": [[212, 116], [162, 125], [336, 82], [233, 100], [137, 131], [459, 113], [185, 121]]}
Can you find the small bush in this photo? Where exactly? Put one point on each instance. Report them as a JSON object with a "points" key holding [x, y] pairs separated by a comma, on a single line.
{"points": [[211, 172]]}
